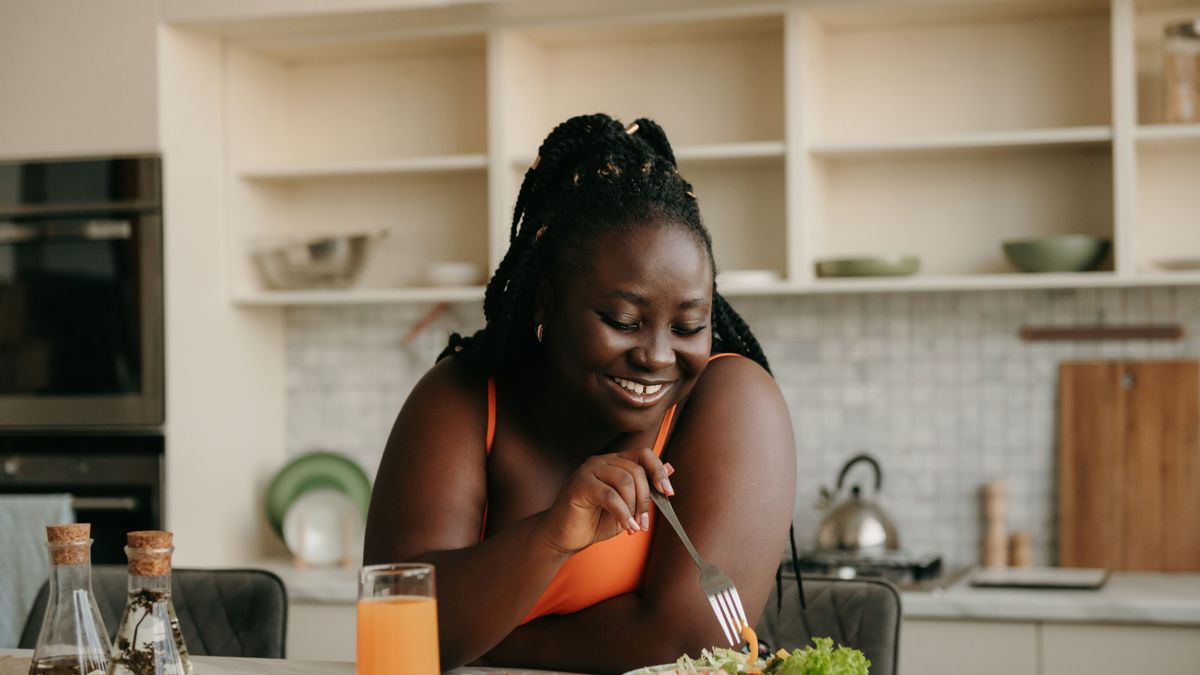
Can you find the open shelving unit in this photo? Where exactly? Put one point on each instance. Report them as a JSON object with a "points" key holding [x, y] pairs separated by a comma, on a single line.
{"points": [[810, 129]]}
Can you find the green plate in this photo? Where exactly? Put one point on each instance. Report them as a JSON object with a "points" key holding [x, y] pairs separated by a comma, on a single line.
{"points": [[898, 266], [316, 470]]}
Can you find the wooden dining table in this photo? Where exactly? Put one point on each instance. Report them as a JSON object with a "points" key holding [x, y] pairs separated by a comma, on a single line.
{"points": [[16, 662]]}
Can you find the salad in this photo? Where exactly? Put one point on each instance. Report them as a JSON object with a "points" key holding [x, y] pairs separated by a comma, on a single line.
{"points": [[821, 659]]}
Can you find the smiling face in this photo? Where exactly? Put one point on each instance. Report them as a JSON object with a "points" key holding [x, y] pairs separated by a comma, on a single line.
{"points": [[630, 332]]}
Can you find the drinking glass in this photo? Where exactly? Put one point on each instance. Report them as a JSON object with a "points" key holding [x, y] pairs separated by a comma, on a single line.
{"points": [[397, 620]]}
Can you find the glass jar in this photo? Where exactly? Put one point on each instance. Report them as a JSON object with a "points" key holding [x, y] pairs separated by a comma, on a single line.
{"points": [[149, 641], [1181, 72], [72, 640]]}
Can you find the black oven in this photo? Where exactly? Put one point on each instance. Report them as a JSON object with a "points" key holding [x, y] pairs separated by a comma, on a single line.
{"points": [[81, 309], [114, 479]]}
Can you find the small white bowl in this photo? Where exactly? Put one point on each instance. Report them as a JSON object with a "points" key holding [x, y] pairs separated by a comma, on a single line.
{"points": [[747, 278], [454, 273]]}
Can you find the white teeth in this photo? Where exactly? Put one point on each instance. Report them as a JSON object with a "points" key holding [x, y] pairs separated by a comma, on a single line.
{"points": [[638, 388]]}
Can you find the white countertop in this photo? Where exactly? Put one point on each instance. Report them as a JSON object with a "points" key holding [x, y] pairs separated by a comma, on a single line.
{"points": [[1127, 597], [16, 662]]}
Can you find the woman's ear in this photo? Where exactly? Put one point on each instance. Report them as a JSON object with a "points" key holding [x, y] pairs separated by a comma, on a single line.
{"points": [[543, 299]]}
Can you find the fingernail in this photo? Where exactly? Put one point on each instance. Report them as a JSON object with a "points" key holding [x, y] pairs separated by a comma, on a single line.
{"points": [[632, 525], [670, 469], [646, 521], [666, 487]]}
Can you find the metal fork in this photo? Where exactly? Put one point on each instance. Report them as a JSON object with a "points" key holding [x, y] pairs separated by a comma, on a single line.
{"points": [[717, 587]]}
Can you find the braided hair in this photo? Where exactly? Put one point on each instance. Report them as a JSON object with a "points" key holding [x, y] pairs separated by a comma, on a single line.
{"points": [[592, 176]]}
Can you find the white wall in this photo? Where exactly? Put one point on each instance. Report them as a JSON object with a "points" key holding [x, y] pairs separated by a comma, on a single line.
{"points": [[77, 77], [225, 381]]}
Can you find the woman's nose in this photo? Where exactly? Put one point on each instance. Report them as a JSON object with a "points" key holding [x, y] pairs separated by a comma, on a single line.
{"points": [[655, 352]]}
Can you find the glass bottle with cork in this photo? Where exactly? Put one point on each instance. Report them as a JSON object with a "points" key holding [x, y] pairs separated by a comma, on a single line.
{"points": [[149, 641], [72, 640]]}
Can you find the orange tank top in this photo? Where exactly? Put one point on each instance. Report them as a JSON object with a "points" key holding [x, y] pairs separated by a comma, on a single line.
{"points": [[604, 570]]}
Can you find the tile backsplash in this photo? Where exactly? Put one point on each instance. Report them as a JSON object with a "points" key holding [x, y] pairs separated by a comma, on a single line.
{"points": [[937, 386]]}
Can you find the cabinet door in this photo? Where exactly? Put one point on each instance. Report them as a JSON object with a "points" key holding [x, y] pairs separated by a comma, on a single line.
{"points": [[1119, 650], [976, 647], [321, 631]]}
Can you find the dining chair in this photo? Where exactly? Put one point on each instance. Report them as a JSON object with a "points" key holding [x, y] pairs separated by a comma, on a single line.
{"points": [[862, 613], [222, 612]]}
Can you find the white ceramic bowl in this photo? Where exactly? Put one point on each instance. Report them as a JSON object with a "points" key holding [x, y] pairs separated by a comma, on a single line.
{"points": [[454, 273]]}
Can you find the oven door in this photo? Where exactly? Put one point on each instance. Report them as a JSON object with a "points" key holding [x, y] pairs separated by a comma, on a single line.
{"points": [[81, 340]]}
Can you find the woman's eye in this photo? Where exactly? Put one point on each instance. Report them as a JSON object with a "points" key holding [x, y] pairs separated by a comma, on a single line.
{"points": [[686, 332], [619, 325]]}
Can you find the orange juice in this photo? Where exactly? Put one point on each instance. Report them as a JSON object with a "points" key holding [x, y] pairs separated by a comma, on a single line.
{"points": [[398, 635]]}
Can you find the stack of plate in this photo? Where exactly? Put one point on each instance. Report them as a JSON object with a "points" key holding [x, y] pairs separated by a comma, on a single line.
{"points": [[317, 504]]}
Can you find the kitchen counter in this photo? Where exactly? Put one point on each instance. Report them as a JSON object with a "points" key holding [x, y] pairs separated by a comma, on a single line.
{"points": [[1127, 597], [16, 662]]}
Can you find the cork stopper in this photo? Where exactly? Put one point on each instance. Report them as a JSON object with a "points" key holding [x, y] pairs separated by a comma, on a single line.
{"points": [[149, 553], [70, 543]]}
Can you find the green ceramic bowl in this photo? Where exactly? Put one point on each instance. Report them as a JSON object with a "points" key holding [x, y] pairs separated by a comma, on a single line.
{"points": [[1061, 253], [897, 266], [311, 471]]}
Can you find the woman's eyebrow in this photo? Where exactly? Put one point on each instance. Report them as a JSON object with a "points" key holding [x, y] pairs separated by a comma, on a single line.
{"points": [[641, 301]]}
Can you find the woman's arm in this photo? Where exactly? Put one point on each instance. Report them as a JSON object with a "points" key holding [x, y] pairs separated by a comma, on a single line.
{"points": [[734, 456], [427, 506]]}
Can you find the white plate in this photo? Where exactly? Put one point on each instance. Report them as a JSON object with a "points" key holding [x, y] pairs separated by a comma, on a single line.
{"points": [[323, 527]]}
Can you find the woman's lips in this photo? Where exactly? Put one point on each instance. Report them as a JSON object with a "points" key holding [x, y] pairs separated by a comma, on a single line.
{"points": [[651, 394]]}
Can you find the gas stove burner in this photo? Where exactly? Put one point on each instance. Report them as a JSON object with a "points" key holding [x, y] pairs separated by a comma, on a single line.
{"points": [[896, 566]]}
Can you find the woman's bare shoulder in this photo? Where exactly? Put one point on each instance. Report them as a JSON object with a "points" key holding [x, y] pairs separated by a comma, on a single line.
{"points": [[448, 390]]}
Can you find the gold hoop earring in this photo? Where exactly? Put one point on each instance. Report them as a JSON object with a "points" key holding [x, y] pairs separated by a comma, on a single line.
{"points": [[539, 330]]}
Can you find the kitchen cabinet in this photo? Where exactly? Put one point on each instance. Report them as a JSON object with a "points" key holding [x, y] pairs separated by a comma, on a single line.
{"points": [[810, 129], [321, 631], [932, 647], [952, 647], [1118, 649]]}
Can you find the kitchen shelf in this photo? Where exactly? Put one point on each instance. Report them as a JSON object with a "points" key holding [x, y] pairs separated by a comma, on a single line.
{"points": [[358, 296], [1168, 135], [714, 152], [1017, 139], [379, 167], [828, 130]]}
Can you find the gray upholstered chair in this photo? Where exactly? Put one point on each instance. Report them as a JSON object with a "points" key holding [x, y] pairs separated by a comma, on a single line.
{"points": [[221, 612], [859, 613]]}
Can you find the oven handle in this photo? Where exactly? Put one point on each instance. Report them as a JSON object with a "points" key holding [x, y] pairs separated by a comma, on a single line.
{"points": [[90, 230], [104, 503]]}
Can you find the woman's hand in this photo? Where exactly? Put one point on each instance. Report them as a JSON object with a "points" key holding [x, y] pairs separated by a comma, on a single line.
{"points": [[607, 495]]}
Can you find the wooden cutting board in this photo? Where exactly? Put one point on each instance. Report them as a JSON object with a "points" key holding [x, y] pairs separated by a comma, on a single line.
{"points": [[1129, 465]]}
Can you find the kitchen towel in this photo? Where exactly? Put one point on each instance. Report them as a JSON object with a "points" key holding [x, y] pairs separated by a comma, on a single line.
{"points": [[24, 565]]}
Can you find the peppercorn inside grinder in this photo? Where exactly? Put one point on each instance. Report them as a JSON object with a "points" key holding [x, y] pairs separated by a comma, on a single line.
{"points": [[72, 640], [149, 641]]}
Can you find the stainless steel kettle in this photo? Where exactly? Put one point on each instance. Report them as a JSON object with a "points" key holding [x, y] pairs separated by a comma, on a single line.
{"points": [[855, 525]]}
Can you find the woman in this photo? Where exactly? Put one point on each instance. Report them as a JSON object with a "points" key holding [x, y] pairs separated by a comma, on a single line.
{"points": [[521, 464]]}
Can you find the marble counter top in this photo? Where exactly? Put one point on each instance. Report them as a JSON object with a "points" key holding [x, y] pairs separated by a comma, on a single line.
{"points": [[1127, 597], [16, 662]]}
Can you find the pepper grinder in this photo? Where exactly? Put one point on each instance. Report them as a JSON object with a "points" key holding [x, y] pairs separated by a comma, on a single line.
{"points": [[995, 537]]}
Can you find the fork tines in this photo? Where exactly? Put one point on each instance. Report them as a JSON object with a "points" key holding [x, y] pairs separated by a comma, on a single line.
{"points": [[727, 605]]}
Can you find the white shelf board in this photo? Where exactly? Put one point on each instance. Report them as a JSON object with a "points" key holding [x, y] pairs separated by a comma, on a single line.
{"points": [[359, 296], [712, 152], [1168, 135], [377, 167], [968, 282], [1021, 138]]}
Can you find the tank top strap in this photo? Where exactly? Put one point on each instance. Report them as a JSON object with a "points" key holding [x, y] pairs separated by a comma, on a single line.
{"points": [[491, 415]]}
